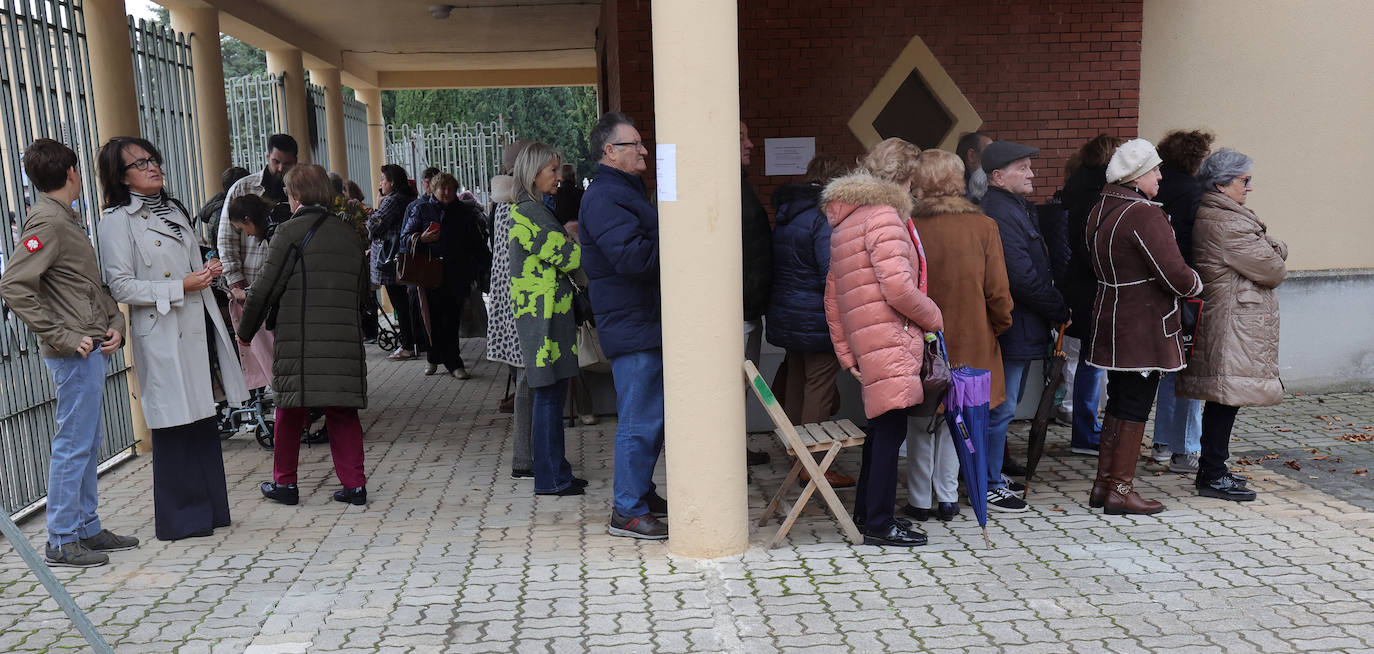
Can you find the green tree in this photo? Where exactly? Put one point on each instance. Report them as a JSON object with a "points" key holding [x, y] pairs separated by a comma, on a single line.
{"points": [[558, 115]]}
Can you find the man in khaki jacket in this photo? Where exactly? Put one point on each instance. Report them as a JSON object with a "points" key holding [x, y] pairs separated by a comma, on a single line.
{"points": [[52, 282]]}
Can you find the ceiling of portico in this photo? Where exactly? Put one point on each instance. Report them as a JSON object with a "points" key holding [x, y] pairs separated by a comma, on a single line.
{"points": [[399, 44]]}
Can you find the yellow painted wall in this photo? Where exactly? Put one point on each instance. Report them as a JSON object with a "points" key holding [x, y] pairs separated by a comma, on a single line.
{"points": [[1287, 82]]}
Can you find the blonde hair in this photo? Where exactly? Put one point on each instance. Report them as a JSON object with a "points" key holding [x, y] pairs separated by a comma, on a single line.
{"points": [[938, 173], [443, 180], [528, 163], [309, 184], [892, 160]]}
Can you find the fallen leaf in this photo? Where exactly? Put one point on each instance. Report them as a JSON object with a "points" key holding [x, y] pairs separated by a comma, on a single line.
{"points": [[1055, 508], [1293, 464], [1313, 450], [1319, 458]]}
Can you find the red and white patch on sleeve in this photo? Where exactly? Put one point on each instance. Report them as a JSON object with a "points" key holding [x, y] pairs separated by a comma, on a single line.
{"points": [[32, 244]]}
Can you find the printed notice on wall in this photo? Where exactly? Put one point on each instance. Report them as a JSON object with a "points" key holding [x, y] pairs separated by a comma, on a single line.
{"points": [[666, 165], [788, 156]]}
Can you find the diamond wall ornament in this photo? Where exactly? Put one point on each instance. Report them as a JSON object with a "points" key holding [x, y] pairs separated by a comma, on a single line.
{"points": [[915, 100]]}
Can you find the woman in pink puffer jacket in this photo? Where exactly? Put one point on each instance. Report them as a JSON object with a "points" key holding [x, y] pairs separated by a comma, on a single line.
{"points": [[878, 319]]}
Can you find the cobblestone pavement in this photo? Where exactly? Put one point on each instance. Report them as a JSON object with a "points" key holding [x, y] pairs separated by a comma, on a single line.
{"points": [[452, 556]]}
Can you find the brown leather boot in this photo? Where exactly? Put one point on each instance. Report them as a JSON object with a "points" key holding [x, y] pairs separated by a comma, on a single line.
{"points": [[1121, 497], [1098, 496]]}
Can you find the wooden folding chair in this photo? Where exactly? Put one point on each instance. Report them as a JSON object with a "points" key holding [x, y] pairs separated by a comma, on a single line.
{"points": [[801, 441]]}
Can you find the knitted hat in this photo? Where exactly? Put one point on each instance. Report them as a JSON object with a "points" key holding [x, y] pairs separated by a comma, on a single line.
{"points": [[1000, 154], [1131, 160]]}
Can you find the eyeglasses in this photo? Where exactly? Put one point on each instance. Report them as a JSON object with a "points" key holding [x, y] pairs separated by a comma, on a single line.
{"points": [[1247, 179], [635, 144], [142, 164]]}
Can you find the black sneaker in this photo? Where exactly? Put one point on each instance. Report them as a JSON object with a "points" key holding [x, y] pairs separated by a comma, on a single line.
{"points": [[107, 541], [355, 496], [658, 507], [521, 473], [644, 527], [571, 489], [289, 494], [75, 555], [1013, 485], [1006, 501], [1225, 488], [1091, 449]]}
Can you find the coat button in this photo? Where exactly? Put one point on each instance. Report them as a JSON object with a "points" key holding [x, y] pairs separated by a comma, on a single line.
{"points": [[166, 273], [151, 316]]}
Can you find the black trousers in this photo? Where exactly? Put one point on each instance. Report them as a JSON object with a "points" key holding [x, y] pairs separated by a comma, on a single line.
{"points": [[1131, 395], [876, 493], [1217, 422], [189, 493], [405, 315], [445, 310]]}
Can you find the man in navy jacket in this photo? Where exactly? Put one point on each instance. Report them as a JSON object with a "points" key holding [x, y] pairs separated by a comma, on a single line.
{"points": [[618, 230], [1038, 303]]}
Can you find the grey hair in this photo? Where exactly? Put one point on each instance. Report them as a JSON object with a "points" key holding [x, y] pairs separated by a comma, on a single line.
{"points": [[1222, 167], [601, 134], [528, 163]]}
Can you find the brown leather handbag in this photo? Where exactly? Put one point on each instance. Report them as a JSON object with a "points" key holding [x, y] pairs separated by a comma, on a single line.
{"points": [[417, 268]]}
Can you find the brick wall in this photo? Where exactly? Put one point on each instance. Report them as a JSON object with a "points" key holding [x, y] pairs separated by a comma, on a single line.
{"points": [[1050, 75]]}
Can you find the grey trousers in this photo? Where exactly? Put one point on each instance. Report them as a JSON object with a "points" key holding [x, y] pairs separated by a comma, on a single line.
{"points": [[932, 464], [522, 452]]}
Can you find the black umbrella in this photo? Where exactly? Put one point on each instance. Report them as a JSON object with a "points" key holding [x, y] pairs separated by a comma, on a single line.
{"points": [[1054, 376]]}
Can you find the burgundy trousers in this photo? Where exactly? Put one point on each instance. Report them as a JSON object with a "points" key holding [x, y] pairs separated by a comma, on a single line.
{"points": [[345, 444]]}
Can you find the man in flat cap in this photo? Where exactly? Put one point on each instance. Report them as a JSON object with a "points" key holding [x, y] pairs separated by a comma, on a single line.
{"points": [[1038, 305]]}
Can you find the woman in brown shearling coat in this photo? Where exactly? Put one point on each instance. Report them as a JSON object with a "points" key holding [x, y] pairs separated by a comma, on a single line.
{"points": [[1235, 362]]}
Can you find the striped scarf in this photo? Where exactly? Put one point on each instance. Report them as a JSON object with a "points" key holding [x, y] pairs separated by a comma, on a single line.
{"points": [[158, 206]]}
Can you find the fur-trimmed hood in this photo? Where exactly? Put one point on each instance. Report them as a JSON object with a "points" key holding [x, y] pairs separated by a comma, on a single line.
{"points": [[943, 204], [503, 188], [858, 189]]}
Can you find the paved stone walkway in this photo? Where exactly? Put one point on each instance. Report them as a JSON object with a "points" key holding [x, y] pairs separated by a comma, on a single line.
{"points": [[445, 559]]}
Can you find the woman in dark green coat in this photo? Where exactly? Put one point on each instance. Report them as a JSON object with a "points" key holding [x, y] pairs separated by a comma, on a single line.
{"points": [[316, 276], [542, 259]]}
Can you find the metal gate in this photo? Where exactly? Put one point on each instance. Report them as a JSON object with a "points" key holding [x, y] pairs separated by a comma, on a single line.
{"points": [[45, 91], [167, 106], [256, 107], [355, 132], [471, 153]]}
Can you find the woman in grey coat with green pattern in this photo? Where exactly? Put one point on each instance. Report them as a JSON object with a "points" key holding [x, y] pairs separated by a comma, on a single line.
{"points": [[542, 258]]}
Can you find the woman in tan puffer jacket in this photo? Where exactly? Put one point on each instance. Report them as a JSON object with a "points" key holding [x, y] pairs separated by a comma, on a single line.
{"points": [[878, 316], [1235, 361]]}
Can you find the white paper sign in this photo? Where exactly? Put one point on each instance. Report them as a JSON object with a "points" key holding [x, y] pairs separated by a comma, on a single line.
{"points": [[666, 167], [788, 156]]}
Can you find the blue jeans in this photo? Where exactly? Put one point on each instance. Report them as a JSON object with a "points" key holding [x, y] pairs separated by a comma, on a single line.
{"points": [[75, 448], [1178, 421], [1087, 393], [1000, 417], [639, 435], [552, 472]]}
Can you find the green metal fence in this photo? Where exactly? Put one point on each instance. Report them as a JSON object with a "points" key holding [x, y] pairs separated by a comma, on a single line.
{"points": [[167, 106], [45, 91]]}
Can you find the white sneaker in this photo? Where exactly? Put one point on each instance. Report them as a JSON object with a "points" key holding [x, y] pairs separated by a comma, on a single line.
{"points": [[1161, 453], [1006, 501]]}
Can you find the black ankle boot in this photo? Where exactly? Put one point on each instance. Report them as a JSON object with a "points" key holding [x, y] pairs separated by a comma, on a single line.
{"points": [[356, 496], [287, 494]]}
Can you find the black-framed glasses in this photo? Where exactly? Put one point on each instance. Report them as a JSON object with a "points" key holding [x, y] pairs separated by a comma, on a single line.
{"points": [[142, 164], [1246, 180], [635, 144]]}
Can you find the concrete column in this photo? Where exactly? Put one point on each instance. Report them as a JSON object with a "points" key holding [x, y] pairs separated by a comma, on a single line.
{"points": [[116, 114], [112, 69], [201, 27], [333, 116], [695, 46], [287, 64], [376, 138]]}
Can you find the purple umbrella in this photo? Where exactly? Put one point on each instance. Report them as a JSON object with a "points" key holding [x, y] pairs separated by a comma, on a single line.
{"points": [[966, 411]]}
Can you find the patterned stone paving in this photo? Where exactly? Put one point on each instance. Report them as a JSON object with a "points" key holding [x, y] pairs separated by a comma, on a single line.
{"points": [[452, 556]]}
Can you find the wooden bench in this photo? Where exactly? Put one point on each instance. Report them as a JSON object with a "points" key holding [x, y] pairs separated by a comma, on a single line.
{"points": [[802, 441]]}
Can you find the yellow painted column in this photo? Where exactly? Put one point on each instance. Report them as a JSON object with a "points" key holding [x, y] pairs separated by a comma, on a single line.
{"points": [[201, 26], [376, 139], [696, 60], [112, 69], [116, 114], [286, 63], [333, 116]]}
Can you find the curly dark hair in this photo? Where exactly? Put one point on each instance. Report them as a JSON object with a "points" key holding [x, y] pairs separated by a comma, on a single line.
{"points": [[1186, 149], [1096, 153]]}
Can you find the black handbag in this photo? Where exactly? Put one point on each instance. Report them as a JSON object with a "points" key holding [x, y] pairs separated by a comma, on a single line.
{"points": [[581, 305], [935, 378], [1190, 319]]}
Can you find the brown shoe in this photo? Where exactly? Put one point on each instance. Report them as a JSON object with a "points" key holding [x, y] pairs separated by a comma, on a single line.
{"points": [[1098, 496], [1121, 496], [836, 479]]}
